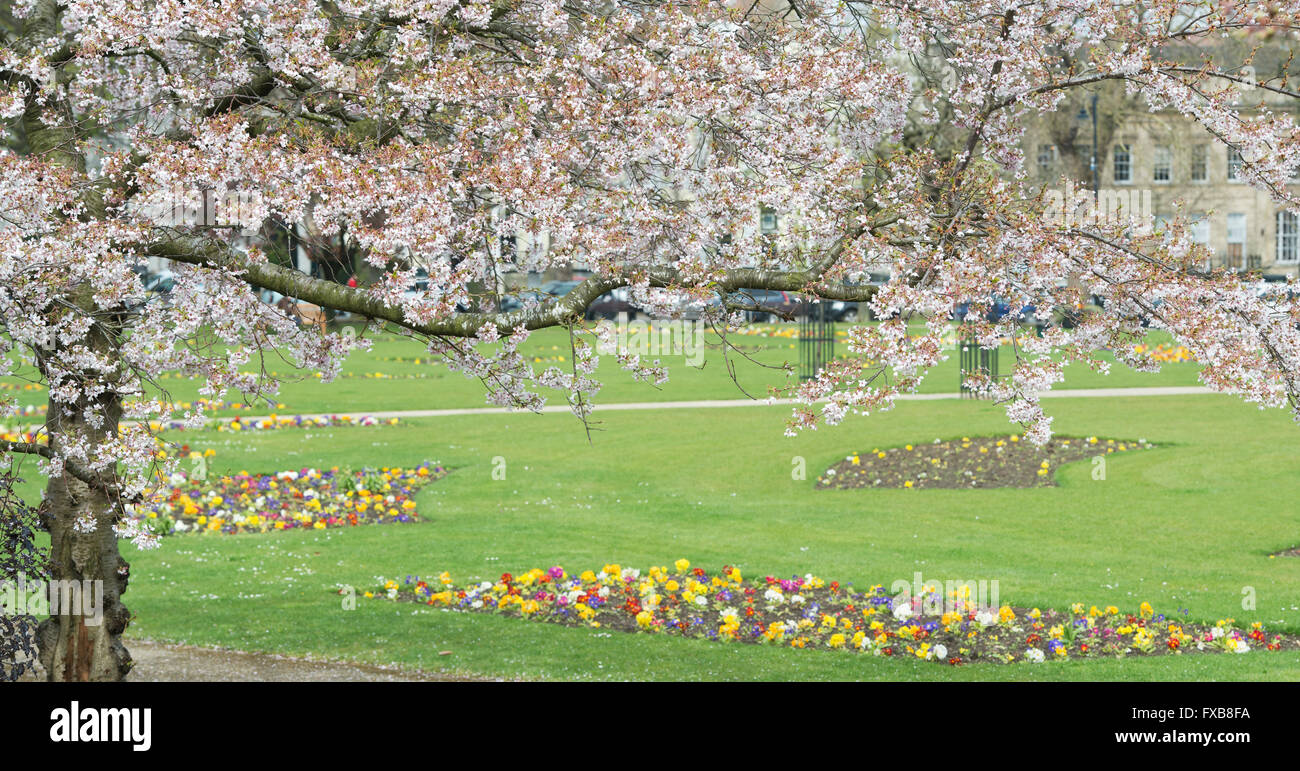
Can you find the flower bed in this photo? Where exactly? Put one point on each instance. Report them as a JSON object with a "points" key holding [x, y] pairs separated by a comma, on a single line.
{"points": [[979, 462], [275, 422], [1164, 352], [808, 612], [288, 500]]}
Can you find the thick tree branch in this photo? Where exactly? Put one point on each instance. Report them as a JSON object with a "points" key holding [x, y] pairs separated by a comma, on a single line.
{"points": [[293, 283]]}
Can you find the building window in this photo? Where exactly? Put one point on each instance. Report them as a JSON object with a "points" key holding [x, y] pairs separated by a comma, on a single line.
{"points": [[1288, 236], [1046, 157], [1236, 257], [1123, 164], [1200, 230], [767, 220], [1234, 164], [1162, 164], [1200, 170]]}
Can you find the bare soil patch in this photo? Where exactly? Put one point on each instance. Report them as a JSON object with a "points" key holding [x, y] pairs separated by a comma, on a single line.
{"points": [[971, 462]]}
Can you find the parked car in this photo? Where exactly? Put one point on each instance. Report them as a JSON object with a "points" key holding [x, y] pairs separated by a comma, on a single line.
{"points": [[548, 291], [160, 283], [769, 303], [999, 310], [612, 303], [851, 312]]}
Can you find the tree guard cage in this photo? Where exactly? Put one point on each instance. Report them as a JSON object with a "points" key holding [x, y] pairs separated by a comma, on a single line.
{"points": [[816, 339], [975, 359]]}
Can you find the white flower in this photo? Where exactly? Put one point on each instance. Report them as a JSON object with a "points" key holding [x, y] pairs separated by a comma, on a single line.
{"points": [[985, 618], [940, 651], [903, 612], [701, 600], [773, 596], [1034, 655], [85, 523], [797, 599]]}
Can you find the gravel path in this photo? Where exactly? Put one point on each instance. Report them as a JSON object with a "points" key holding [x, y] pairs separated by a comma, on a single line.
{"points": [[158, 662]]}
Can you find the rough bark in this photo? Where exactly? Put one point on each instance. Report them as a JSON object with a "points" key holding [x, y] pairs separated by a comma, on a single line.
{"points": [[70, 647]]}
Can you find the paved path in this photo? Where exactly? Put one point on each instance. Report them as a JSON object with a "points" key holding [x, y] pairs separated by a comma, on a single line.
{"points": [[160, 663], [720, 403]]}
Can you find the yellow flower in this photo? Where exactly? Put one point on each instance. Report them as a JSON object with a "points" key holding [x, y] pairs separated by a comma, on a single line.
{"points": [[682, 565]]}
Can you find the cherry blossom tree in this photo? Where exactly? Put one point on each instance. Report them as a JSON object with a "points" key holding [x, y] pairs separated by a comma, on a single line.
{"points": [[641, 139]]}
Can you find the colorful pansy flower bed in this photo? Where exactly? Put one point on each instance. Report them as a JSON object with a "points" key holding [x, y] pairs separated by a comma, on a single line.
{"points": [[809, 612], [288, 500], [1164, 352], [298, 421], [971, 462], [274, 422]]}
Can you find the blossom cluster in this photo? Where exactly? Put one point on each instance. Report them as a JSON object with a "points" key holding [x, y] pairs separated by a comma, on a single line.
{"points": [[808, 612]]}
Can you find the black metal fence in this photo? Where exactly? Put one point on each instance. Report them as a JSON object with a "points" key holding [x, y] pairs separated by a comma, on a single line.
{"points": [[816, 339], [975, 360]]}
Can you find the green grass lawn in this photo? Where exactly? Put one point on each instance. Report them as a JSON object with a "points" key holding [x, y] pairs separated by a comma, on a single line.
{"points": [[1185, 526], [387, 377]]}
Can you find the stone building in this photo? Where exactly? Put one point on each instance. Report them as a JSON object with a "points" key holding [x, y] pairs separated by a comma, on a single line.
{"points": [[1158, 159]]}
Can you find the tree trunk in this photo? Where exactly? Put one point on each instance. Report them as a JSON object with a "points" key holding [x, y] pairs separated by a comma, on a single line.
{"points": [[73, 645]]}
